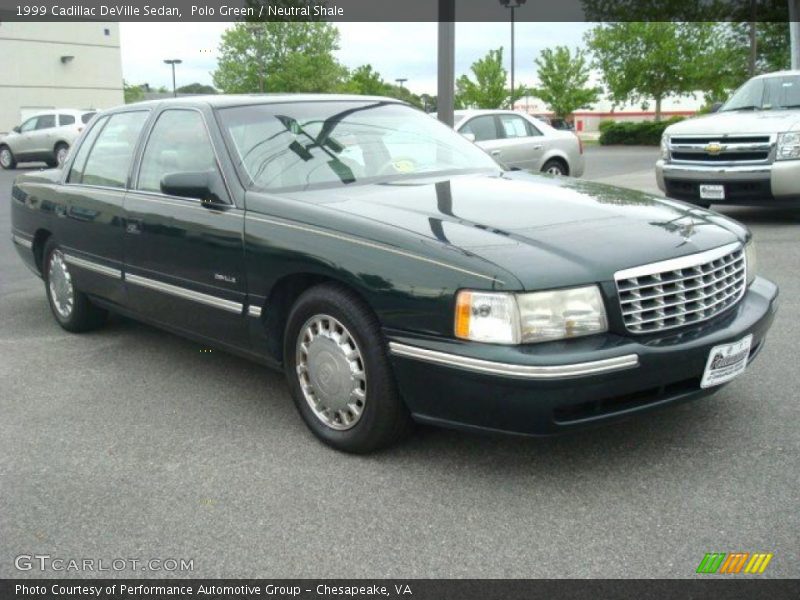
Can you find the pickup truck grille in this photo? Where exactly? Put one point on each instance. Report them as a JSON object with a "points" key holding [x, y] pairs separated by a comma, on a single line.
{"points": [[704, 149], [681, 291]]}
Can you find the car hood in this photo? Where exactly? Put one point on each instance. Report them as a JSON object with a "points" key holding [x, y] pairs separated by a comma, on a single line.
{"points": [[547, 231], [740, 121]]}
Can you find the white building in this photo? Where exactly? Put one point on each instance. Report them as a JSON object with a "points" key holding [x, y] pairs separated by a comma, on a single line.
{"points": [[58, 65], [589, 120]]}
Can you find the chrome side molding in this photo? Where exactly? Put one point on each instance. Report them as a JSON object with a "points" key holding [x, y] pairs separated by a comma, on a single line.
{"points": [[22, 241], [186, 294], [89, 265], [254, 311], [627, 361]]}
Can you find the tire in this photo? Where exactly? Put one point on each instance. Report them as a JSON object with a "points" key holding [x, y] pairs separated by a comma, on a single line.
{"points": [[7, 160], [72, 308], [555, 167], [60, 153], [335, 357]]}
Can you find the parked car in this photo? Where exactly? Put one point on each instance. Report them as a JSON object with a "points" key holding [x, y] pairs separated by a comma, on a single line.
{"points": [[748, 152], [46, 136], [521, 141], [392, 270]]}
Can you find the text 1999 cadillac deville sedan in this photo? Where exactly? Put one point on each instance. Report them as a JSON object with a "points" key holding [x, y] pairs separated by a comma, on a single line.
{"points": [[390, 267]]}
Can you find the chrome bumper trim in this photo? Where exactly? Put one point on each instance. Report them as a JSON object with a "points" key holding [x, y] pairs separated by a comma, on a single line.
{"points": [[477, 365], [184, 293], [92, 266], [734, 172], [22, 241]]}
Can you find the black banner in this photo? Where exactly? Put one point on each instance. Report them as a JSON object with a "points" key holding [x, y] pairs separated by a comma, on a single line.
{"points": [[712, 588], [395, 10]]}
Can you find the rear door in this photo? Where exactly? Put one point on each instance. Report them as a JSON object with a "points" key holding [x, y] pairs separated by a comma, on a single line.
{"points": [[184, 258], [94, 188], [522, 144]]}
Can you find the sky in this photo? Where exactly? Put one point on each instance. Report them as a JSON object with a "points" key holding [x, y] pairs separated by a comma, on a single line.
{"points": [[395, 50]]}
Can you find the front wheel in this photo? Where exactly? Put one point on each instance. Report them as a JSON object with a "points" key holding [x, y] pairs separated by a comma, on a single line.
{"points": [[339, 373], [72, 309], [7, 160]]}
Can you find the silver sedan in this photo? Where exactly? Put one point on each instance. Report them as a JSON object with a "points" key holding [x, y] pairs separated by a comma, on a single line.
{"points": [[520, 141]]}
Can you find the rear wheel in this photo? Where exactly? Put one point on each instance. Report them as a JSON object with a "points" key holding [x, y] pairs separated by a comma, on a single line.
{"points": [[72, 309], [7, 160], [60, 153], [339, 373], [555, 167]]}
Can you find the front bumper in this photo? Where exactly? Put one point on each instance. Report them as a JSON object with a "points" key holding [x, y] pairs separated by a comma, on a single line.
{"points": [[776, 184], [557, 386]]}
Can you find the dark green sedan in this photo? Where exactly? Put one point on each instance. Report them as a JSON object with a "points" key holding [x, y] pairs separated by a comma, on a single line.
{"points": [[391, 268]]}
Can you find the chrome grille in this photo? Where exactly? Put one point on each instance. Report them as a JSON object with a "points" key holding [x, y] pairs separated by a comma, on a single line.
{"points": [[681, 291], [746, 149]]}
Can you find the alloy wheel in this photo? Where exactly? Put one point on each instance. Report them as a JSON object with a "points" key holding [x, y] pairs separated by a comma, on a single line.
{"points": [[59, 282], [331, 372]]}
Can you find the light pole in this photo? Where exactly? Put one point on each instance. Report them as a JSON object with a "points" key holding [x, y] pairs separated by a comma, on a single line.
{"points": [[401, 80], [794, 32], [513, 5], [172, 62]]}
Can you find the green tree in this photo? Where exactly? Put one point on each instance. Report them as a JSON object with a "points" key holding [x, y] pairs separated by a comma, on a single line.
{"points": [[366, 81], [279, 57], [643, 61], [489, 88], [196, 88], [563, 81], [132, 93]]}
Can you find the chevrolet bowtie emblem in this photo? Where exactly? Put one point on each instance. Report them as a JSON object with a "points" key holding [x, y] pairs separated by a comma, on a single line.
{"points": [[714, 148]]}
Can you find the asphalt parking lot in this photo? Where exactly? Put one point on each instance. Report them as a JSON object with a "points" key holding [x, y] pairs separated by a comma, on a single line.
{"points": [[131, 442]]}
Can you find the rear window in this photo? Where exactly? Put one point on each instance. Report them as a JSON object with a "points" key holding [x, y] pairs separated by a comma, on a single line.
{"points": [[65, 120], [86, 117]]}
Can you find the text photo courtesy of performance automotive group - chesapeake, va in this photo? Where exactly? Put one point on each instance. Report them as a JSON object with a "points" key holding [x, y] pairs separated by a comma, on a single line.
{"points": [[455, 299]]}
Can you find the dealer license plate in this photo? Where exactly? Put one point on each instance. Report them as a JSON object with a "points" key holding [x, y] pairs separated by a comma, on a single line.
{"points": [[725, 362], [712, 192]]}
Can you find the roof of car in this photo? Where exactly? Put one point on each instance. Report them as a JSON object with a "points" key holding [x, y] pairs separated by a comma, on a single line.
{"points": [[227, 100], [778, 74]]}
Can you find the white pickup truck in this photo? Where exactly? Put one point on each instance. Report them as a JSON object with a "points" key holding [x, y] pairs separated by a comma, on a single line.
{"points": [[748, 152]]}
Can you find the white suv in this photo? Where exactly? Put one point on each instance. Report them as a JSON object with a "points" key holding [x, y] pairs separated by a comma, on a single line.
{"points": [[46, 136]]}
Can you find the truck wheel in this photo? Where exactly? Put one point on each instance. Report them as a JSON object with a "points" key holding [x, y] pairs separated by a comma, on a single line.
{"points": [[72, 309], [339, 373], [7, 160]]}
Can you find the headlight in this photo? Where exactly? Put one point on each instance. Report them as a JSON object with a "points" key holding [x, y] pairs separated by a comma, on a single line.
{"points": [[788, 146], [665, 147], [505, 318], [750, 263]]}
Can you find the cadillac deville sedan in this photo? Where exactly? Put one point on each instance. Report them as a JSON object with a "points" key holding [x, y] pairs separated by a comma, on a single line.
{"points": [[392, 269]]}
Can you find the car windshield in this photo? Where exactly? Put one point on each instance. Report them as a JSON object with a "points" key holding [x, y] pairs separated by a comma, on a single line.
{"points": [[308, 145], [766, 93]]}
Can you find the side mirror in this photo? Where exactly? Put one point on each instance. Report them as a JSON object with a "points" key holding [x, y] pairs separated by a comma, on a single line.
{"points": [[202, 185], [16, 129], [469, 136], [715, 107]]}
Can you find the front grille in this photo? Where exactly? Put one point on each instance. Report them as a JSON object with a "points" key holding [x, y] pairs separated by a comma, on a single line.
{"points": [[681, 291], [715, 148]]}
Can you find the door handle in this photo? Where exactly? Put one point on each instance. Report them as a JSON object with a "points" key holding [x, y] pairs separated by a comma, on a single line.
{"points": [[537, 147], [495, 152]]}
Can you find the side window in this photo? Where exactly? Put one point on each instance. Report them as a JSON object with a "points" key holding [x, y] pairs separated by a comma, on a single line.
{"points": [[86, 117], [110, 156], [532, 129], [179, 143], [65, 120], [46, 122], [76, 170], [483, 128], [28, 125], [513, 126]]}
